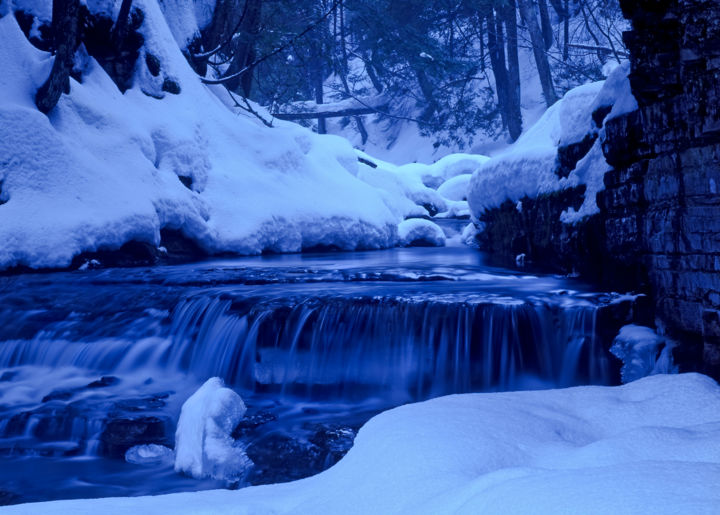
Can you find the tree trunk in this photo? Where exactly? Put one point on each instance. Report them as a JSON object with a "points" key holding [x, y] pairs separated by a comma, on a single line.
{"points": [[244, 51], [497, 61], [343, 71], [547, 29], [566, 32], [225, 20], [428, 92], [65, 27], [527, 12], [515, 124]]}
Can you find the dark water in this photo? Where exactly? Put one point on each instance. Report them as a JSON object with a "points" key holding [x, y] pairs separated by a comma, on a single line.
{"points": [[92, 362]]}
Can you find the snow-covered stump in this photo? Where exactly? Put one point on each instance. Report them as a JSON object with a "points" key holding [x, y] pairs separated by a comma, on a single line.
{"points": [[418, 232], [203, 443]]}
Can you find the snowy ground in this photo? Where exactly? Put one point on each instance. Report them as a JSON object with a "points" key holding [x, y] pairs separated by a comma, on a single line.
{"points": [[651, 446]]}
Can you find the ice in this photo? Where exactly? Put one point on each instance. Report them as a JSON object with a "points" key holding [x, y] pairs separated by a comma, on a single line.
{"points": [[643, 353], [149, 455], [203, 443]]}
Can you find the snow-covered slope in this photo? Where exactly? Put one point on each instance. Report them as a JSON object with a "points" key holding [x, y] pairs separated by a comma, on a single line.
{"points": [[652, 446], [104, 168]]}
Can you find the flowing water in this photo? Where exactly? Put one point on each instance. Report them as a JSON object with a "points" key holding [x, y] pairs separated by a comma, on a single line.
{"points": [[94, 362]]}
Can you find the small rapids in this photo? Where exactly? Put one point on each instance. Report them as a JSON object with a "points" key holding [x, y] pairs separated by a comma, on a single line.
{"points": [[93, 363]]}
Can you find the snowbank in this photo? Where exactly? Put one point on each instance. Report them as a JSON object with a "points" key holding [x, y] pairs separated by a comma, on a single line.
{"points": [[105, 167], [652, 446], [203, 445], [527, 168], [418, 232], [643, 353]]}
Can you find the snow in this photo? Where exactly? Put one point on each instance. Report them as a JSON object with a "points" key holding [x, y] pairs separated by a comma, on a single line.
{"points": [[527, 168], [405, 188], [617, 92], [651, 446], [455, 188], [149, 454], [643, 353], [203, 445], [418, 232], [103, 168]]}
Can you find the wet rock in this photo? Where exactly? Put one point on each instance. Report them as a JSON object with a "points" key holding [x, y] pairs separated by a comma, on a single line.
{"points": [[121, 434], [104, 382], [252, 423], [150, 403], [8, 375], [8, 498], [334, 441], [280, 458]]}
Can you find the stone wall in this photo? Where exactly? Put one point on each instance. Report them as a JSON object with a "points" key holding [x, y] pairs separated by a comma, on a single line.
{"points": [[661, 207]]}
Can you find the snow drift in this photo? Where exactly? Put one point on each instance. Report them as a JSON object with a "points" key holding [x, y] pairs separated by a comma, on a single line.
{"points": [[105, 168], [652, 446]]}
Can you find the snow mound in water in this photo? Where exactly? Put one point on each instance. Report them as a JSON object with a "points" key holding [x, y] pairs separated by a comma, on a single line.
{"points": [[418, 232], [643, 353], [203, 445], [105, 168], [651, 446]]}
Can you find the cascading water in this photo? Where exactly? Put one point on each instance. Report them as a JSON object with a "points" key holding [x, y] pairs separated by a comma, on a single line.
{"points": [[96, 363]]}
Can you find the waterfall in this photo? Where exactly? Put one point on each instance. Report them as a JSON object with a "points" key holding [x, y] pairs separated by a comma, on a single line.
{"points": [[347, 347]]}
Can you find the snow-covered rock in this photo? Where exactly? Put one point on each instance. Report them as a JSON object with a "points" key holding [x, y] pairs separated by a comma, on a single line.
{"points": [[418, 232], [402, 184], [455, 188], [104, 167], [450, 166], [643, 353], [651, 446], [527, 168], [203, 445]]}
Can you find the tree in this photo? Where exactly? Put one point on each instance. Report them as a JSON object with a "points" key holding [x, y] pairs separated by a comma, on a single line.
{"points": [[527, 12], [65, 30]]}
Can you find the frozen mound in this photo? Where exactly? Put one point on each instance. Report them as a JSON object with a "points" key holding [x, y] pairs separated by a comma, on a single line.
{"points": [[527, 168], [418, 232], [651, 446], [203, 445], [643, 353], [105, 167]]}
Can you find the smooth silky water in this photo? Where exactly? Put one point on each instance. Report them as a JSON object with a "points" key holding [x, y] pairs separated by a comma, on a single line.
{"points": [[316, 344]]}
